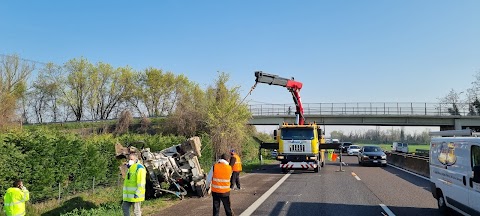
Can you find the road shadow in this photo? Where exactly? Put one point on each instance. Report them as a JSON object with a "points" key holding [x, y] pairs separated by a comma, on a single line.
{"points": [[424, 184], [266, 169], [334, 209], [70, 205]]}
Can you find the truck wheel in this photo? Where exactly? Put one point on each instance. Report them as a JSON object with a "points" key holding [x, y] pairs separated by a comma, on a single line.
{"points": [[284, 170], [201, 190], [316, 169]]}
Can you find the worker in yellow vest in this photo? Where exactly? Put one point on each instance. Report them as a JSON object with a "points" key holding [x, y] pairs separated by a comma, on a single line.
{"points": [[219, 177], [15, 198], [236, 164], [134, 186]]}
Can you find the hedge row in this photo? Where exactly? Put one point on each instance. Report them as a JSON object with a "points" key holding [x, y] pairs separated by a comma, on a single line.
{"points": [[43, 159]]}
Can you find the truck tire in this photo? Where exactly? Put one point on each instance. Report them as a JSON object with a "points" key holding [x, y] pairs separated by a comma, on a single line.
{"points": [[201, 190], [284, 170]]}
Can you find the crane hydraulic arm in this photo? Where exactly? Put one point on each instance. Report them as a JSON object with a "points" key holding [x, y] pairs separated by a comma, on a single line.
{"points": [[293, 86]]}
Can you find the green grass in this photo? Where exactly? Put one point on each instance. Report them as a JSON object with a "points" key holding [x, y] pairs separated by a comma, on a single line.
{"points": [[105, 201], [411, 148]]}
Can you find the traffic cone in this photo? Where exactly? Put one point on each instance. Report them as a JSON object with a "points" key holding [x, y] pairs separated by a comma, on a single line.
{"points": [[334, 157]]}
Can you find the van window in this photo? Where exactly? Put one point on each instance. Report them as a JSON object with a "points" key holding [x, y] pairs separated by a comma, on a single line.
{"points": [[475, 155]]}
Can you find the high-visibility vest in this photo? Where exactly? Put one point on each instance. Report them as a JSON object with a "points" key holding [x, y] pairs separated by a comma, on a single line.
{"points": [[237, 167], [14, 201], [134, 184], [221, 178]]}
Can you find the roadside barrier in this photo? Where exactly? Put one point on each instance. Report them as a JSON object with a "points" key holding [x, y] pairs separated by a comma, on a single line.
{"points": [[413, 163]]}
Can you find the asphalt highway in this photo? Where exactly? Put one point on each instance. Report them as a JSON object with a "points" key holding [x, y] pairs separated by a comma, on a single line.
{"points": [[356, 191]]}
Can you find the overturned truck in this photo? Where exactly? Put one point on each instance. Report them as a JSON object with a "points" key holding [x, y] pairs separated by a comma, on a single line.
{"points": [[174, 170]]}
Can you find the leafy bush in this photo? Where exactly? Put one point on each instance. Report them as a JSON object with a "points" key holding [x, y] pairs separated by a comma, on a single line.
{"points": [[46, 159]]}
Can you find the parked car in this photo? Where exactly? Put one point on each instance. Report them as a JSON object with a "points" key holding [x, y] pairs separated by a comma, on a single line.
{"points": [[345, 146], [353, 149], [400, 147], [372, 155]]}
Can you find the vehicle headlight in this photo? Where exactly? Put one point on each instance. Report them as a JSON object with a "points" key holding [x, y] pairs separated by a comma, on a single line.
{"points": [[280, 157], [313, 158], [384, 156], [365, 156]]}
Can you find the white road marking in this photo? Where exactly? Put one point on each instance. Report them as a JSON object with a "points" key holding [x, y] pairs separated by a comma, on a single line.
{"points": [[387, 210], [355, 175], [423, 177], [344, 163], [260, 200]]}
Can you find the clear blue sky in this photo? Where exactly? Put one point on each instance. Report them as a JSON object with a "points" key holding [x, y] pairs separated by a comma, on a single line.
{"points": [[343, 51]]}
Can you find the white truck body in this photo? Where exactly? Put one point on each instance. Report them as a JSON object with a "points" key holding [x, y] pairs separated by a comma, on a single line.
{"points": [[452, 160]]}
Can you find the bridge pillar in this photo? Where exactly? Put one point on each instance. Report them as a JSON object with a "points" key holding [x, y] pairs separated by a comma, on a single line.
{"points": [[458, 124]]}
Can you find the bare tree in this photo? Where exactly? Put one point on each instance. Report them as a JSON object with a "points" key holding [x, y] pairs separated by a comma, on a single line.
{"points": [[14, 73]]}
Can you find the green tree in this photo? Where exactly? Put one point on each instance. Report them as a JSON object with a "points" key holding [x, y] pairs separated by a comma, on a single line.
{"points": [[227, 117], [108, 88], [76, 86]]}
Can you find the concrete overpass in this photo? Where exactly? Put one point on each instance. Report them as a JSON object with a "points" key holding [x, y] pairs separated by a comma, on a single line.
{"points": [[376, 114]]}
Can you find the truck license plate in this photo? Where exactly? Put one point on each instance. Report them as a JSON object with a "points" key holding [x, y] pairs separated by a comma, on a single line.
{"points": [[375, 161]]}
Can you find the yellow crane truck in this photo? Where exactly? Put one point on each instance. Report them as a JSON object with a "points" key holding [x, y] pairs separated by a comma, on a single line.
{"points": [[299, 144]]}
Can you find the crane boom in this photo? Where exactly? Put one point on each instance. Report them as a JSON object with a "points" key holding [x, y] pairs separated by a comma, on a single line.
{"points": [[293, 86]]}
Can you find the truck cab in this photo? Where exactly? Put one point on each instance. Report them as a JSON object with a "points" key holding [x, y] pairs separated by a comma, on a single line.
{"points": [[299, 146]]}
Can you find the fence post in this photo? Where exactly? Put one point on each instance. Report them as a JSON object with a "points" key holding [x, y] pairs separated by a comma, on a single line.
{"points": [[384, 108], [411, 106], [425, 108]]}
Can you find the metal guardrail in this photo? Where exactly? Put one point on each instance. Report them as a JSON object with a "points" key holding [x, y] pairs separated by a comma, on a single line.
{"points": [[409, 155], [365, 108]]}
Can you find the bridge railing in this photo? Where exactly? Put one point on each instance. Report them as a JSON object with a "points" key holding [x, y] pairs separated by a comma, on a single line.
{"points": [[365, 108]]}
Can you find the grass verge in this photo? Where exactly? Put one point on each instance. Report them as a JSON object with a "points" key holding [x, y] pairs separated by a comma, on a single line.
{"points": [[106, 201]]}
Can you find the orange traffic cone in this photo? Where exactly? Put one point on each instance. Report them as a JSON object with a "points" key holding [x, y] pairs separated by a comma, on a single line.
{"points": [[334, 157]]}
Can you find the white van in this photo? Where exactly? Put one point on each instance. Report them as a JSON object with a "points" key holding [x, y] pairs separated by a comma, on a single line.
{"points": [[400, 147], [455, 172]]}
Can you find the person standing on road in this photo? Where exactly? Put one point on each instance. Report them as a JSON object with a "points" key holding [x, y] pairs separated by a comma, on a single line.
{"points": [[219, 178], [134, 186], [15, 198], [236, 165]]}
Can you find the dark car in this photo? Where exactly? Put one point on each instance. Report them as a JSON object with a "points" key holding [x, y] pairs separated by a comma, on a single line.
{"points": [[372, 155], [345, 146]]}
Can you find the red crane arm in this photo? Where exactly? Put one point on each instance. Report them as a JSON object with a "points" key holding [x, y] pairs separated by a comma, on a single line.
{"points": [[293, 86]]}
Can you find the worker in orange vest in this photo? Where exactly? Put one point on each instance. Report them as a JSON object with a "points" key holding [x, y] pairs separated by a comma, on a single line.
{"points": [[236, 165], [219, 177]]}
